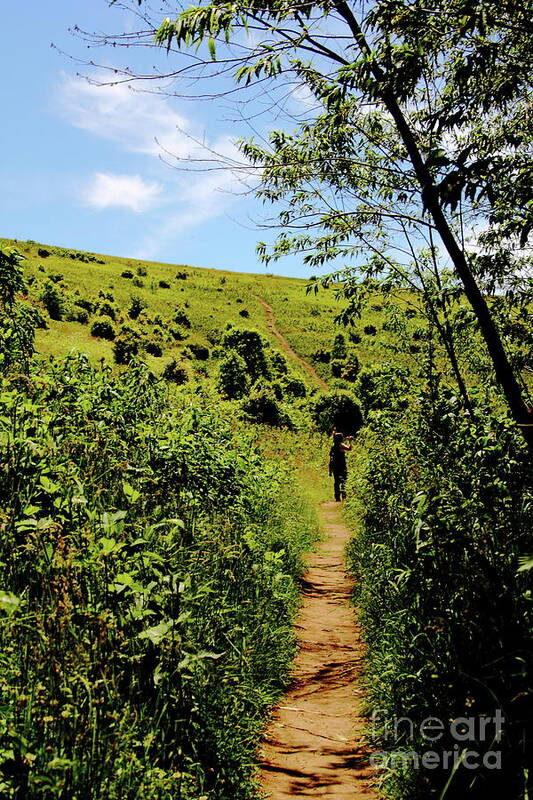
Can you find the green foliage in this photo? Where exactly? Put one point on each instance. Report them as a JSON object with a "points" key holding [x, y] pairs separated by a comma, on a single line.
{"points": [[149, 565], [444, 508], [136, 306], [383, 386], [53, 300], [294, 387], [337, 410], [181, 318], [153, 347], [338, 349], [322, 356], [126, 347], [251, 347], [175, 372], [262, 406], [198, 351], [233, 380], [103, 330]]}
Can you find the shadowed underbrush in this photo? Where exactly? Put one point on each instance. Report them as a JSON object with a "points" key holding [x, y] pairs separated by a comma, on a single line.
{"points": [[442, 503]]}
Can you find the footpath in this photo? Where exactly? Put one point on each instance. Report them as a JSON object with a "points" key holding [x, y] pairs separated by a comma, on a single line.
{"points": [[313, 746]]}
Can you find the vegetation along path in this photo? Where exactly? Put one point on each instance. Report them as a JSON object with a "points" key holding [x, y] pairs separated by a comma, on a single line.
{"points": [[313, 746], [271, 322]]}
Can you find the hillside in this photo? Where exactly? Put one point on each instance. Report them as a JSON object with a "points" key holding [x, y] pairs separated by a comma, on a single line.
{"points": [[181, 306]]}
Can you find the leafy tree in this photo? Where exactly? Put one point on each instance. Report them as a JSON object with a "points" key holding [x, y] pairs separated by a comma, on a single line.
{"points": [[251, 346], [17, 319], [419, 120], [337, 410], [233, 378], [53, 300], [338, 351]]}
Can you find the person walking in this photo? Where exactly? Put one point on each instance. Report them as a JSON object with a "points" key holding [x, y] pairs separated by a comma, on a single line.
{"points": [[337, 463]]}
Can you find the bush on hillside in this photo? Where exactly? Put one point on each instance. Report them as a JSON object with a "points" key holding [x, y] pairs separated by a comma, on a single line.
{"points": [[295, 387], [198, 351], [153, 347], [337, 410], [78, 315], [321, 356], [181, 318], [175, 373], [251, 346], [136, 306], [233, 380], [263, 407], [382, 386], [125, 347], [370, 330], [127, 273], [337, 367], [351, 368], [107, 310], [103, 330], [53, 300], [338, 350], [278, 363]]}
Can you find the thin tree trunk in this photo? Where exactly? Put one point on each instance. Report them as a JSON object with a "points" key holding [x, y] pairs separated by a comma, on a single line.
{"points": [[520, 411]]}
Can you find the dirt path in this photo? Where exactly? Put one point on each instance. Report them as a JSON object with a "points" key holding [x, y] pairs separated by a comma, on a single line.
{"points": [[271, 323], [313, 745]]}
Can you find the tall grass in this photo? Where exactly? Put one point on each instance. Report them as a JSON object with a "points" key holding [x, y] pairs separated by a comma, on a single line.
{"points": [[149, 558], [443, 508]]}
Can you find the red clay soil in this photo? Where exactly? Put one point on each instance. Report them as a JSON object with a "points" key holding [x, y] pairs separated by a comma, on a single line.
{"points": [[271, 323], [313, 746]]}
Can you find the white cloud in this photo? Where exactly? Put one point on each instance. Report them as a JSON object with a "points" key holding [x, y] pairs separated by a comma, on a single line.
{"points": [[139, 121], [107, 190], [146, 124]]}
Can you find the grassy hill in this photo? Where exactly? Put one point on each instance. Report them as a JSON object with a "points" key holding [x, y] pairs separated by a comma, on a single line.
{"points": [[183, 306]]}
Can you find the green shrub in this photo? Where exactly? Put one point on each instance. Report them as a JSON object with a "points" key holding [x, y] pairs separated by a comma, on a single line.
{"points": [[164, 285], [351, 368], [278, 363], [181, 318], [106, 310], [153, 347], [443, 507], [295, 387], [127, 273], [338, 350], [337, 367], [233, 378], [177, 333], [175, 373], [103, 330], [125, 347], [53, 300], [337, 410], [382, 386], [198, 351], [263, 407], [85, 304], [136, 306], [80, 316], [322, 356], [370, 330], [251, 346]]}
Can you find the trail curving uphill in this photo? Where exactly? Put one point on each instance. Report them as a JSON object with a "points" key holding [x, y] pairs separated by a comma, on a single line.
{"points": [[313, 746], [271, 323]]}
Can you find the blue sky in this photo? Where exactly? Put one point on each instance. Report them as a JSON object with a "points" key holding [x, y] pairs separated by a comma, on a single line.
{"points": [[81, 164]]}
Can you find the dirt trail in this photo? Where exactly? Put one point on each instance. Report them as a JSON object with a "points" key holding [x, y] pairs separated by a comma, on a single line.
{"points": [[271, 322], [313, 745]]}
